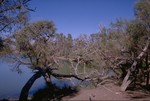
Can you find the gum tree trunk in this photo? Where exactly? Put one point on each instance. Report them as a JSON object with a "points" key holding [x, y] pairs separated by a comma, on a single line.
{"points": [[27, 86], [126, 82], [147, 70]]}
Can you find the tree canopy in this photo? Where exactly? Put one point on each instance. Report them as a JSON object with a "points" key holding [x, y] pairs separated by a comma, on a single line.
{"points": [[12, 12]]}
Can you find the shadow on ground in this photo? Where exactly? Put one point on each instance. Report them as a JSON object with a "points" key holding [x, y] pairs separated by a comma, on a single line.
{"points": [[139, 92], [53, 92]]}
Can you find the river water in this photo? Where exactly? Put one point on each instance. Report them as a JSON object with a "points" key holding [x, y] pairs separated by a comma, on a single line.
{"points": [[11, 82]]}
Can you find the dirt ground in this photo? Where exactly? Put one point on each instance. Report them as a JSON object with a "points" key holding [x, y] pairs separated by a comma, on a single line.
{"points": [[109, 92]]}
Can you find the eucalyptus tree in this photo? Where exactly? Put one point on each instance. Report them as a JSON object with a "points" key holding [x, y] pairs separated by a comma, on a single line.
{"points": [[139, 31], [13, 12], [36, 46], [13, 16], [143, 13], [64, 43]]}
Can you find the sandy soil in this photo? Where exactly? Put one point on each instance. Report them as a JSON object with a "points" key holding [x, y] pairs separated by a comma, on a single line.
{"points": [[109, 92]]}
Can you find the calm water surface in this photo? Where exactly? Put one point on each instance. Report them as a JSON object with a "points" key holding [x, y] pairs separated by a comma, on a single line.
{"points": [[11, 82]]}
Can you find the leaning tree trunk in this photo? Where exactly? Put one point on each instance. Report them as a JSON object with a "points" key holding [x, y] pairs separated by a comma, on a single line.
{"points": [[147, 70], [127, 79], [27, 86]]}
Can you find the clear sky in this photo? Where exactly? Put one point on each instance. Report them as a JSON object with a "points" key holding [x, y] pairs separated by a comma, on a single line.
{"points": [[81, 16]]}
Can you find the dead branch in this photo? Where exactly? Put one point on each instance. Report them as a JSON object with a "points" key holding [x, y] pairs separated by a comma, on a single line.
{"points": [[67, 76]]}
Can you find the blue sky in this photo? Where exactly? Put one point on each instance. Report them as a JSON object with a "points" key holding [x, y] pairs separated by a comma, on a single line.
{"points": [[81, 16]]}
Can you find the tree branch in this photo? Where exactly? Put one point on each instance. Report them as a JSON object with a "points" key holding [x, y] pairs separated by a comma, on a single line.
{"points": [[126, 80], [11, 8], [67, 76]]}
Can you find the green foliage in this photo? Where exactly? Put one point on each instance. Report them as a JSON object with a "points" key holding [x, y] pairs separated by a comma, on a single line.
{"points": [[33, 42], [142, 11], [14, 14]]}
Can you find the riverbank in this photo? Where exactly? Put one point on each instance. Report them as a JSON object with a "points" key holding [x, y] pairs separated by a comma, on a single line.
{"points": [[105, 92], [109, 92]]}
